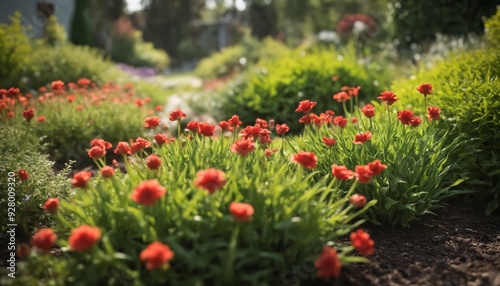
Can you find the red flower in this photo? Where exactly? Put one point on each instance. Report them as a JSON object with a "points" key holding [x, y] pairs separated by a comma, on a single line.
{"points": [[363, 173], [388, 96], [51, 205], [152, 122], [41, 118], [270, 152], [341, 96], [261, 122], [161, 139], [210, 179], [306, 159], [306, 119], [153, 162], [241, 211], [28, 114], [105, 145], [405, 116], [433, 113], [342, 173], [79, 107], [192, 126], [44, 239], [376, 167], [123, 148], [156, 255], [251, 131], [415, 121], [206, 129], [96, 152], [107, 172], [23, 174], [57, 85], [425, 89], [282, 129], [361, 240], [305, 106], [243, 147], [234, 121], [70, 98], [80, 179], [224, 125], [264, 136], [368, 110], [83, 82], [148, 192], [329, 141], [340, 121], [158, 108], [361, 138], [328, 263], [140, 144], [176, 115], [358, 200], [84, 237]]}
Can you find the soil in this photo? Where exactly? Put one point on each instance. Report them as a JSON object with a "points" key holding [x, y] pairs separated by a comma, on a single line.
{"points": [[459, 246]]}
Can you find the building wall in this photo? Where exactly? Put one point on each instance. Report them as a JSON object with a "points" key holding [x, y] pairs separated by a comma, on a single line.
{"points": [[28, 8]]}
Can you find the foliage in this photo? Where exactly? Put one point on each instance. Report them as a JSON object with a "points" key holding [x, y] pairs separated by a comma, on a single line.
{"points": [[440, 17], [292, 219], [67, 63], [128, 47], [15, 51], [21, 149], [492, 26], [239, 57], [80, 29], [54, 33], [273, 91], [467, 91], [420, 171]]}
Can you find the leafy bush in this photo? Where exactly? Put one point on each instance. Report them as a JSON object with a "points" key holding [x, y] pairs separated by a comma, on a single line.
{"points": [[291, 220], [238, 57], [492, 26], [54, 33], [67, 63], [441, 17], [134, 51], [273, 91], [467, 89], [15, 51], [419, 172], [21, 149]]}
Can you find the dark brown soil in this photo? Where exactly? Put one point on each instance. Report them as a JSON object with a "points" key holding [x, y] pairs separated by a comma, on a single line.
{"points": [[460, 246]]}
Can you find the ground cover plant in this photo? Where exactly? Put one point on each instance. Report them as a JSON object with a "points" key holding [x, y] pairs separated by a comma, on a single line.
{"points": [[200, 209]]}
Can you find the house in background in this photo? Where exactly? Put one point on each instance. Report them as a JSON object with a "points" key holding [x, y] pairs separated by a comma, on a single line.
{"points": [[36, 12]]}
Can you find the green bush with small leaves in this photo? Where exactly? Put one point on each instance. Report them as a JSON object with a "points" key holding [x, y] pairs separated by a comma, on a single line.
{"points": [[273, 90], [21, 149], [467, 90]]}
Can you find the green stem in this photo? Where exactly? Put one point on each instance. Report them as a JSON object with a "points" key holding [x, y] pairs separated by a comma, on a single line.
{"points": [[232, 254]]}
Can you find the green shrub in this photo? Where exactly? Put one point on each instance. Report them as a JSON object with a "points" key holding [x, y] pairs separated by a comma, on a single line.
{"points": [[274, 90], [67, 63], [54, 33], [21, 149], [492, 26], [15, 51], [467, 89], [132, 50], [238, 57], [439, 17]]}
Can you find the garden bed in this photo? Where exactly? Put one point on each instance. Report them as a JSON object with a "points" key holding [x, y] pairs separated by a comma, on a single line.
{"points": [[459, 246]]}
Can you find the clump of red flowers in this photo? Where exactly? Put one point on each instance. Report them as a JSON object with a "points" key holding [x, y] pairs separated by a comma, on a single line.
{"points": [[148, 192], [44, 239], [156, 255], [362, 137], [241, 211], [84, 238], [306, 159], [176, 115], [80, 179], [152, 122], [107, 172], [361, 240], [243, 146], [153, 162], [210, 179], [328, 263], [305, 106], [51, 205]]}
